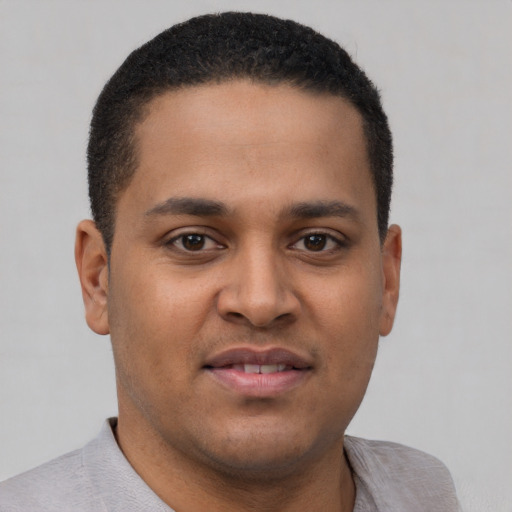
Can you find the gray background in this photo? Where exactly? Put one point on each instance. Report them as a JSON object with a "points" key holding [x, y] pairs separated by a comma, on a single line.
{"points": [[442, 382]]}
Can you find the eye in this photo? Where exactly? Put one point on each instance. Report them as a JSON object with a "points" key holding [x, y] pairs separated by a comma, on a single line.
{"points": [[315, 242], [194, 242], [318, 242]]}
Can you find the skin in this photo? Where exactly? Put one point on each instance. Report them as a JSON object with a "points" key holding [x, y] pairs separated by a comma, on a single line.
{"points": [[257, 281]]}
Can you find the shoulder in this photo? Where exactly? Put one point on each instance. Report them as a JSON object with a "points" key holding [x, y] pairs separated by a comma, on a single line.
{"points": [[96, 478], [393, 456], [61, 484], [398, 477]]}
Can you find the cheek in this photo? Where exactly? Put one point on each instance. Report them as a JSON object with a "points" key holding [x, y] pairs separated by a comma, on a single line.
{"points": [[351, 302], [347, 313], [153, 320]]}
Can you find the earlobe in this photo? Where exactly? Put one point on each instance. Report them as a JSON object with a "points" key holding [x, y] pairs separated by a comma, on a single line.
{"points": [[391, 260], [92, 265]]}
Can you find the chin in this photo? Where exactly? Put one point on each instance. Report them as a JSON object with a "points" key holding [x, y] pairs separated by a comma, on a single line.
{"points": [[261, 468], [261, 455]]}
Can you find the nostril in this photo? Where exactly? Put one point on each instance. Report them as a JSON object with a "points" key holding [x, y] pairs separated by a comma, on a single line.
{"points": [[247, 303], [234, 314]]}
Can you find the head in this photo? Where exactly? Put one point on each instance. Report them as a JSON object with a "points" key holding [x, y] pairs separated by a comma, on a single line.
{"points": [[240, 171], [219, 48]]}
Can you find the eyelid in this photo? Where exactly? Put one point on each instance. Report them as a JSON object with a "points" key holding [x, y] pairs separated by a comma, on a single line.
{"points": [[177, 234], [338, 238]]}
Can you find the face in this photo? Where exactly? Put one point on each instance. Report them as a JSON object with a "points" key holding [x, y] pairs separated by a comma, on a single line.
{"points": [[247, 285]]}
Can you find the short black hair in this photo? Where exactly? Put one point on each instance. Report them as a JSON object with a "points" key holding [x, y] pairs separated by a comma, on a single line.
{"points": [[215, 48]]}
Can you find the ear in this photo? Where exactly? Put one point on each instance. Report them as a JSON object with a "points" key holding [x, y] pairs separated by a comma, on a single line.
{"points": [[92, 265], [391, 260]]}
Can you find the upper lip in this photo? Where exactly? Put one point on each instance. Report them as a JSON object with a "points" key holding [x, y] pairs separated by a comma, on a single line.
{"points": [[246, 355]]}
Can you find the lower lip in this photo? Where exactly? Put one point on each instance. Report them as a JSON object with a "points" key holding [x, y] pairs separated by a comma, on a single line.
{"points": [[260, 385]]}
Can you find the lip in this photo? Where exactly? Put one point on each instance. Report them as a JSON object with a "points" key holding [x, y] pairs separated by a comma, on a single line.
{"points": [[224, 368], [250, 355]]}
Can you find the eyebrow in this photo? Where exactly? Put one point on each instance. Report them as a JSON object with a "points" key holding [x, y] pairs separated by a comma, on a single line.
{"points": [[318, 209], [201, 207], [188, 206]]}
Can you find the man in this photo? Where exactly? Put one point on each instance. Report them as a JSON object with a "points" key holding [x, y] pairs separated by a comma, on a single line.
{"points": [[240, 171]]}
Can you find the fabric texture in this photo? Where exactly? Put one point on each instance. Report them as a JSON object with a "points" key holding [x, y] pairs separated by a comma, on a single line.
{"points": [[389, 478]]}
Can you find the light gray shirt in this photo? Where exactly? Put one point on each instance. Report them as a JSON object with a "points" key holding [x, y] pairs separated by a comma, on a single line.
{"points": [[98, 478]]}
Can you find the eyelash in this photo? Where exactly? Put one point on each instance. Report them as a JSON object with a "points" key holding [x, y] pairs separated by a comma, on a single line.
{"points": [[339, 243], [181, 237]]}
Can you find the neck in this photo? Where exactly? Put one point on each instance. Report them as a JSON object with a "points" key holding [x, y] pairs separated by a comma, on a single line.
{"points": [[321, 483]]}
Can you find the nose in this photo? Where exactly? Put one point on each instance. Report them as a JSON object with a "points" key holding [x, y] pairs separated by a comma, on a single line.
{"points": [[258, 292]]}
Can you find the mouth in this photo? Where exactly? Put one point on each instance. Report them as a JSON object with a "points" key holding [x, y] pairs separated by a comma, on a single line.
{"points": [[259, 373], [261, 368]]}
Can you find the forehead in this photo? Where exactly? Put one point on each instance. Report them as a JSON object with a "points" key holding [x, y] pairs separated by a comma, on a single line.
{"points": [[240, 139], [240, 111]]}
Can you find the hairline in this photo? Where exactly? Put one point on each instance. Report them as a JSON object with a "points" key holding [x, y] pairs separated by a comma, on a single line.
{"points": [[143, 111]]}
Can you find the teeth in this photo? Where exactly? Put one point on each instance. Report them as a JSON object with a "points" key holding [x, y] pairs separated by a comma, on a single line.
{"points": [[260, 368], [251, 368]]}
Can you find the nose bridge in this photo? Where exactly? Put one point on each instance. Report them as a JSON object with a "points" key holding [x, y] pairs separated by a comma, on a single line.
{"points": [[258, 288]]}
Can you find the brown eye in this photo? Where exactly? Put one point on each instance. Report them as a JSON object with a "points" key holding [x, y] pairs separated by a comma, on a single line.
{"points": [[315, 242], [322, 243], [193, 242]]}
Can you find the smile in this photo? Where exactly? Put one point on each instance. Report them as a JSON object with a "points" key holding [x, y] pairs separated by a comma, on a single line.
{"points": [[259, 374], [261, 368]]}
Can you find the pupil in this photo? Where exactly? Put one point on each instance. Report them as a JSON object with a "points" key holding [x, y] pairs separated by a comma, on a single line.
{"points": [[315, 242], [193, 242]]}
